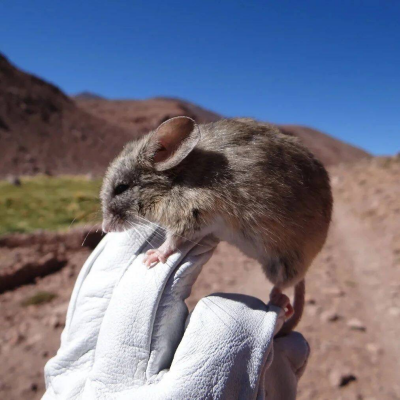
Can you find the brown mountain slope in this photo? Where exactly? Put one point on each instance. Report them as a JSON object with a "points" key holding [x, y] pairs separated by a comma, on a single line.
{"points": [[331, 151], [140, 116], [42, 130]]}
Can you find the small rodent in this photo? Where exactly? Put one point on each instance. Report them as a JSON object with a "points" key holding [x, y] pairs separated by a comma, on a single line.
{"points": [[241, 180]]}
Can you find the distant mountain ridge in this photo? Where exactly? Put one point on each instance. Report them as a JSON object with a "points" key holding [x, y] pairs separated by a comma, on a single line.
{"points": [[44, 131], [87, 96], [329, 150], [144, 115]]}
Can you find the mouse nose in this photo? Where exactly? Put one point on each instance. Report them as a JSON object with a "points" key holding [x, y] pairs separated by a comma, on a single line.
{"points": [[105, 226]]}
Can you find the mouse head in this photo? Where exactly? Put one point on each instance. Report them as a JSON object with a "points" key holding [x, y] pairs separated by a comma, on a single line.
{"points": [[140, 176]]}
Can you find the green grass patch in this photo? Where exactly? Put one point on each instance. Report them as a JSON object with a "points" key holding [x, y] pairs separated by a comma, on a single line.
{"points": [[50, 203], [38, 298]]}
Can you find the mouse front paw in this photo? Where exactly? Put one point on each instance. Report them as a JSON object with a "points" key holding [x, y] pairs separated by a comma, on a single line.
{"points": [[154, 256]]}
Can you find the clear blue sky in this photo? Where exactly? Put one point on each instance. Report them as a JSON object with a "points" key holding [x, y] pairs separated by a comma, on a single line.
{"points": [[333, 65]]}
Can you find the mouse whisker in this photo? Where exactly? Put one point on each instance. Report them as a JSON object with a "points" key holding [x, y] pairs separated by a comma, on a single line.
{"points": [[90, 231], [155, 233], [72, 222], [141, 235], [159, 235]]}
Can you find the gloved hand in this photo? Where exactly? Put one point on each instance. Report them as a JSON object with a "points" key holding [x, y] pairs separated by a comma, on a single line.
{"points": [[125, 335]]}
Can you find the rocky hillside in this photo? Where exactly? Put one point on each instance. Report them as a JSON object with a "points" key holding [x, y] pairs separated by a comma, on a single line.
{"points": [[139, 116], [43, 131], [329, 150]]}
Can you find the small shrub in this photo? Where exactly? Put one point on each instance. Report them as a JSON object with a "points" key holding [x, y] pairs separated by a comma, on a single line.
{"points": [[38, 298]]}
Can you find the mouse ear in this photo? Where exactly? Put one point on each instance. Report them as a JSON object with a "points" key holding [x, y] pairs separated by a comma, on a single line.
{"points": [[176, 138]]}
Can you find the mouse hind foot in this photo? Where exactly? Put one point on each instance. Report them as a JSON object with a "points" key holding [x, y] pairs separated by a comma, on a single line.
{"points": [[277, 298]]}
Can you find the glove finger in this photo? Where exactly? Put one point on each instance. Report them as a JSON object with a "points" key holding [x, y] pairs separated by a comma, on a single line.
{"points": [[144, 321], [67, 372], [223, 353], [169, 323]]}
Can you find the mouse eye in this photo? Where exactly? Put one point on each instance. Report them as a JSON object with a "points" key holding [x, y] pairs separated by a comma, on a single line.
{"points": [[120, 189]]}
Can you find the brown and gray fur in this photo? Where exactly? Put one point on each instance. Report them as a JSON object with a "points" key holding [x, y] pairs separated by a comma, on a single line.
{"points": [[245, 182]]}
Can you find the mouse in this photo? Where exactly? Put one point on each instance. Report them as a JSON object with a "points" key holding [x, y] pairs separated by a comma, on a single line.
{"points": [[241, 180]]}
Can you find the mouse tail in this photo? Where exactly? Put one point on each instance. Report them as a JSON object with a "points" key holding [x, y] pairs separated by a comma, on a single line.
{"points": [[298, 307]]}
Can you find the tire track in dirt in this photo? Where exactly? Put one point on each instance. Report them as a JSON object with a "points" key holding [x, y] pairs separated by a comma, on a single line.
{"points": [[367, 253], [351, 278]]}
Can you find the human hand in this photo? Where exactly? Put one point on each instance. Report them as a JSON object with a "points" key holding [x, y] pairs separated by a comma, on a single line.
{"points": [[125, 334]]}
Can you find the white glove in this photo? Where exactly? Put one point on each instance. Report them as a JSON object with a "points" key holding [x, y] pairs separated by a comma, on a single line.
{"points": [[125, 334]]}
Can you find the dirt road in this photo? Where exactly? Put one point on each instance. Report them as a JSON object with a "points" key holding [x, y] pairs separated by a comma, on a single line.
{"points": [[352, 316]]}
